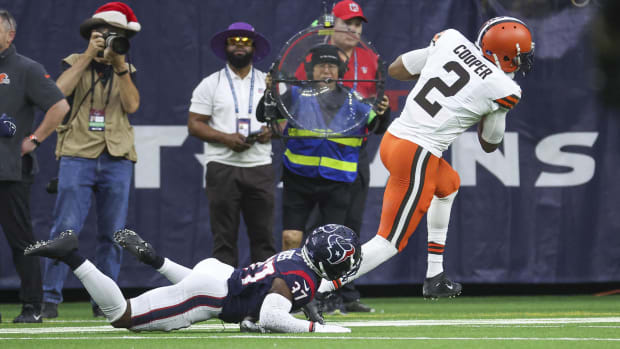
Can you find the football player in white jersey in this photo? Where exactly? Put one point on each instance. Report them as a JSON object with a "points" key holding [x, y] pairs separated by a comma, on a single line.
{"points": [[460, 84]]}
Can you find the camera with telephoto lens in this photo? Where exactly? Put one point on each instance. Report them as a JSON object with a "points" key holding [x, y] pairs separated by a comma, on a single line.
{"points": [[118, 43]]}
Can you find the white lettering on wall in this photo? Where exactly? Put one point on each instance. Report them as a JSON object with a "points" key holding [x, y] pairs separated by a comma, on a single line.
{"points": [[149, 140], [467, 155], [549, 151]]}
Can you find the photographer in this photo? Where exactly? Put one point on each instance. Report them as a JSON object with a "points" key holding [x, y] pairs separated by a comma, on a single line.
{"points": [[96, 142]]}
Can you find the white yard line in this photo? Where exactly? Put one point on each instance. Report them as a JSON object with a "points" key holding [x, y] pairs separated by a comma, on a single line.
{"points": [[263, 336], [374, 323]]}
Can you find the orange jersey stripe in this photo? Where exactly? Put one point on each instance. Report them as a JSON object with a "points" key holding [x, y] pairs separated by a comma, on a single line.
{"points": [[512, 98], [504, 104]]}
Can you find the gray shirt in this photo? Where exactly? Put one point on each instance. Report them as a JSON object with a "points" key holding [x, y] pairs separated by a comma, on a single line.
{"points": [[24, 85]]}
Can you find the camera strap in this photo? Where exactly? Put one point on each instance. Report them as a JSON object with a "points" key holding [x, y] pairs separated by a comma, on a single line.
{"points": [[94, 84]]}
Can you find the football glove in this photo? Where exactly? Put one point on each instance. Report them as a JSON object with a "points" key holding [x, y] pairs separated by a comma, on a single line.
{"points": [[330, 329]]}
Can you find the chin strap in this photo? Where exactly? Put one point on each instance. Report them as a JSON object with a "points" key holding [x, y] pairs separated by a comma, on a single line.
{"points": [[518, 57], [497, 62]]}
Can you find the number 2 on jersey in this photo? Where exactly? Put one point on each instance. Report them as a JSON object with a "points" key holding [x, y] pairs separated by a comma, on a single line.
{"points": [[447, 90]]}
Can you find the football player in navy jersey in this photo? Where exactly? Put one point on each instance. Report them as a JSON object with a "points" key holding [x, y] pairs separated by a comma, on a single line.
{"points": [[267, 291]]}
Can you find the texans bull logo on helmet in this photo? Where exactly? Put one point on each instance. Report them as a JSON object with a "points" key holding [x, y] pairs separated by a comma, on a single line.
{"points": [[339, 249]]}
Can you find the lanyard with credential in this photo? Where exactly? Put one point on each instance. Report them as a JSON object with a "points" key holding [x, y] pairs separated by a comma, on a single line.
{"points": [[243, 125], [355, 68], [93, 82], [96, 117]]}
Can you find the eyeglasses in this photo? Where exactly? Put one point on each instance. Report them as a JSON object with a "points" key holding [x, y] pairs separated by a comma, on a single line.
{"points": [[239, 40]]}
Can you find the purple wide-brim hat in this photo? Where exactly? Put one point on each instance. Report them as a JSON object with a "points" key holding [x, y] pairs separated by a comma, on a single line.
{"points": [[261, 45]]}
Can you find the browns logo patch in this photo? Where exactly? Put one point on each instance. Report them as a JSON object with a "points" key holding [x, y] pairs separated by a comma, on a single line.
{"points": [[4, 79]]}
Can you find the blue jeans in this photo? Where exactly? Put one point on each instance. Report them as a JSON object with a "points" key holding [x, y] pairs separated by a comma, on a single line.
{"points": [[77, 180]]}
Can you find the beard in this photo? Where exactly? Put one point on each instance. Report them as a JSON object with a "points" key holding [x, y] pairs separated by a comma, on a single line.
{"points": [[239, 61]]}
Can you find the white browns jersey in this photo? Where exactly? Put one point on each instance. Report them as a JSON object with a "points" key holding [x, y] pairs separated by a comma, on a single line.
{"points": [[456, 88]]}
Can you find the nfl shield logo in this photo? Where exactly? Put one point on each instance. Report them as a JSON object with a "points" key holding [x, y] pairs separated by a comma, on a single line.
{"points": [[364, 70]]}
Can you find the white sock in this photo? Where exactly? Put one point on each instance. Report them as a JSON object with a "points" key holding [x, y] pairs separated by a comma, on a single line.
{"points": [[103, 290], [438, 219], [173, 272], [374, 252]]}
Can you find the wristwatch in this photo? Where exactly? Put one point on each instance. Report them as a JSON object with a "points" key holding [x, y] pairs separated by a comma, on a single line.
{"points": [[34, 140]]}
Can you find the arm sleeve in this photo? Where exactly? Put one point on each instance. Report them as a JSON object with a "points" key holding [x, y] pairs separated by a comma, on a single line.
{"points": [[42, 90], [275, 316], [415, 60], [494, 125]]}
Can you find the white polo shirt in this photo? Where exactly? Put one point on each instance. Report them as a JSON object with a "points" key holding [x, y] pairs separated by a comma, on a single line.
{"points": [[213, 96]]}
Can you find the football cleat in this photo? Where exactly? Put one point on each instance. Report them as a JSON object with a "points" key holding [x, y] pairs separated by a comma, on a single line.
{"points": [[134, 244], [439, 286], [357, 306], [56, 248], [333, 304]]}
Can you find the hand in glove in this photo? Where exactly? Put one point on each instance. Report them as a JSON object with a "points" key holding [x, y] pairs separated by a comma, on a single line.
{"points": [[330, 329]]}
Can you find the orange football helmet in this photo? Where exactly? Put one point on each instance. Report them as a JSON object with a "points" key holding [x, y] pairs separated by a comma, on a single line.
{"points": [[507, 42]]}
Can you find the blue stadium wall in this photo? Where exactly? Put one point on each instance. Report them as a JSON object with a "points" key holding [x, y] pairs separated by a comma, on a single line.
{"points": [[544, 209]]}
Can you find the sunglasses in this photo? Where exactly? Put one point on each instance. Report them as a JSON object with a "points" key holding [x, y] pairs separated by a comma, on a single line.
{"points": [[239, 40]]}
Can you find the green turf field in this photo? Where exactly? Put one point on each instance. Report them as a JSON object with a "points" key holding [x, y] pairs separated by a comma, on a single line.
{"points": [[464, 322]]}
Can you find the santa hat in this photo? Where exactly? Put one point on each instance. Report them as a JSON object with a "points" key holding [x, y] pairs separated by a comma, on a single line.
{"points": [[116, 14]]}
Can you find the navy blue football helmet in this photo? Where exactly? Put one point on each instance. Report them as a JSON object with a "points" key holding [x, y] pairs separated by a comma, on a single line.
{"points": [[333, 251]]}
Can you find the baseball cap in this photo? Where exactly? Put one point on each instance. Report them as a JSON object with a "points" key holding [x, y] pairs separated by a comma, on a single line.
{"points": [[348, 9], [325, 54]]}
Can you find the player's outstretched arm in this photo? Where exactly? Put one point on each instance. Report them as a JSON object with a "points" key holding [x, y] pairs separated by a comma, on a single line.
{"points": [[275, 313], [408, 65], [398, 71]]}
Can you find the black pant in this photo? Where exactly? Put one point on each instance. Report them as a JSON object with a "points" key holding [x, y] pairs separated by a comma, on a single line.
{"points": [[302, 194], [17, 227], [233, 191]]}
